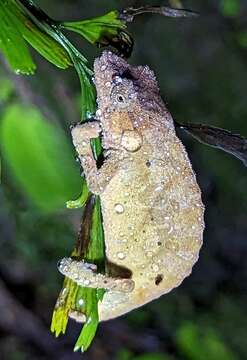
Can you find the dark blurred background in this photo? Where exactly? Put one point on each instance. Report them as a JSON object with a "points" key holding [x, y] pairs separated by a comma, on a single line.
{"points": [[201, 65]]}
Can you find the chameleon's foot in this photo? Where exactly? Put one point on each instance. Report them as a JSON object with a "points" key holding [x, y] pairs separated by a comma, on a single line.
{"points": [[84, 132], [85, 275]]}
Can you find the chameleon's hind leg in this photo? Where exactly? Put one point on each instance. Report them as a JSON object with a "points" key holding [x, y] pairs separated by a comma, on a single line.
{"points": [[85, 275]]}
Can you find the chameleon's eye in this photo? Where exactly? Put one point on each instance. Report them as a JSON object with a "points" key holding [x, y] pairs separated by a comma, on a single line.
{"points": [[121, 95], [120, 98]]}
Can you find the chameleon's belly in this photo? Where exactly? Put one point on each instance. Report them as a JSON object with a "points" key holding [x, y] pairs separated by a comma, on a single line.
{"points": [[153, 223]]}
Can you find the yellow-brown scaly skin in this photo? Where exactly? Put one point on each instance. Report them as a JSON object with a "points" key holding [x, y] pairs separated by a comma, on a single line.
{"points": [[151, 203]]}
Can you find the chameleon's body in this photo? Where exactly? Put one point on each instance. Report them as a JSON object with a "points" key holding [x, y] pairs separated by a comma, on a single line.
{"points": [[151, 203]]}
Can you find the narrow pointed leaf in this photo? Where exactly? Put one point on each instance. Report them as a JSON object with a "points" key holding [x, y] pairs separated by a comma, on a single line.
{"points": [[74, 298], [94, 254], [233, 144], [12, 43], [130, 13], [106, 30], [32, 29]]}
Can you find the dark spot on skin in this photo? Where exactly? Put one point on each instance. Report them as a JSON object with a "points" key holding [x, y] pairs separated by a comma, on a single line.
{"points": [[159, 243], [127, 75], [158, 279], [148, 163]]}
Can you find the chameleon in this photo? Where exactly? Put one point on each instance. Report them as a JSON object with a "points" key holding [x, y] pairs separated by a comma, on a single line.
{"points": [[153, 215]]}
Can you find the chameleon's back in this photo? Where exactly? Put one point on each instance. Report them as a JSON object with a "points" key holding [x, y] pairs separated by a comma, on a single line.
{"points": [[152, 208]]}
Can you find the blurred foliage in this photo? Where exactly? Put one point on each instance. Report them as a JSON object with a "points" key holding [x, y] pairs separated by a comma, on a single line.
{"points": [[40, 157], [200, 344], [127, 355], [6, 90], [230, 7]]}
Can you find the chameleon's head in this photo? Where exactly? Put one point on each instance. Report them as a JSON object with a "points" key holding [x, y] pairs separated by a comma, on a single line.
{"points": [[122, 87]]}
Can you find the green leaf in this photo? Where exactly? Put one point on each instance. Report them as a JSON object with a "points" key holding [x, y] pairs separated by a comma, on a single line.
{"points": [[78, 299], [104, 31], [81, 201], [40, 158], [230, 8], [88, 93], [36, 33], [95, 254], [12, 44]]}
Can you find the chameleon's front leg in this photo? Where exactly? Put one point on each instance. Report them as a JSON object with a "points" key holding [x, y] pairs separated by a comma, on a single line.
{"points": [[85, 275], [81, 136]]}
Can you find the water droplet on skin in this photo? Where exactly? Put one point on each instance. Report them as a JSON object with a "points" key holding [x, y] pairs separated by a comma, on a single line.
{"points": [[98, 113], [119, 208], [185, 255], [121, 255], [76, 276], [171, 230], [117, 80], [103, 67], [158, 188], [86, 282], [108, 84], [155, 267]]}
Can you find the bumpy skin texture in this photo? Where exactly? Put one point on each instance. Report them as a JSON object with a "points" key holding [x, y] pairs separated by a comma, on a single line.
{"points": [[151, 203]]}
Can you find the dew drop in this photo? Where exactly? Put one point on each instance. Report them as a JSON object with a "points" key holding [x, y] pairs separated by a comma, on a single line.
{"points": [[81, 302], [185, 255], [64, 291], [117, 80], [98, 113], [155, 267], [119, 208], [121, 255]]}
